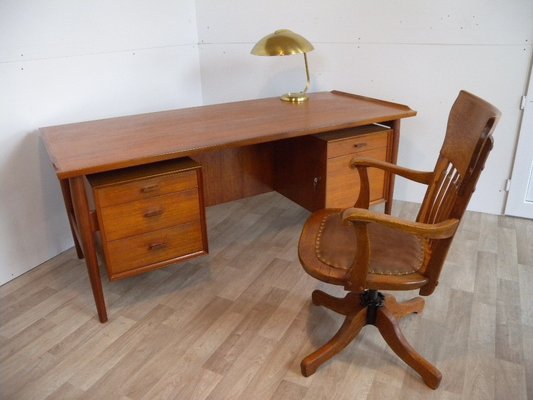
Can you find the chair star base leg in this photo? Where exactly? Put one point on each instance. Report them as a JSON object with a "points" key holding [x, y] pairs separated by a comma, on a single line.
{"points": [[371, 308], [350, 304], [387, 325], [348, 331], [405, 308]]}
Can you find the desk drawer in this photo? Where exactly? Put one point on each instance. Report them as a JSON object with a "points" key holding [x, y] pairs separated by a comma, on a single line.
{"points": [[343, 182], [150, 214], [145, 188], [146, 251], [357, 144]]}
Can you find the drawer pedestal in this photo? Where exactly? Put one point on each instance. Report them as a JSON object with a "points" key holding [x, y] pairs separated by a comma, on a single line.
{"points": [[314, 171], [149, 216]]}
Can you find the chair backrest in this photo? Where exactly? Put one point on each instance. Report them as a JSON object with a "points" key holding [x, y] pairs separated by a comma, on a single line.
{"points": [[466, 147]]}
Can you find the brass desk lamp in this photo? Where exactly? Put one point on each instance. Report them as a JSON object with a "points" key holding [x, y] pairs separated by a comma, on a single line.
{"points": [[283, 43]]}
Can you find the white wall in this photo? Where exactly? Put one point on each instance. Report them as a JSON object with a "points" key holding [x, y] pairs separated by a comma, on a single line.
{"points": [[414, 52], [65, 61]]}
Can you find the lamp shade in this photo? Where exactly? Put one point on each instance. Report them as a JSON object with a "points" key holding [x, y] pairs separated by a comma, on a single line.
{"points": [[283, 42]]}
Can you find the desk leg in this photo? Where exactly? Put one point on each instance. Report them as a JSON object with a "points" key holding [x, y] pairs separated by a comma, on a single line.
{"points": [[83, 219], [65, 189], [395, 125]]}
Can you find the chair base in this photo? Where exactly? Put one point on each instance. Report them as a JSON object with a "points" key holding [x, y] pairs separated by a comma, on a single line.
{"points": [[371, 308]]}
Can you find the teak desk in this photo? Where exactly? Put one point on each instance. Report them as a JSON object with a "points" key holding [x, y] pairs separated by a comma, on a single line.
{"points": [[219, 153]]}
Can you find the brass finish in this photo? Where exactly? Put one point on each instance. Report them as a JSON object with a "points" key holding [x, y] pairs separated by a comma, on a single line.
{"points": [[299, 97], [285, 42]]}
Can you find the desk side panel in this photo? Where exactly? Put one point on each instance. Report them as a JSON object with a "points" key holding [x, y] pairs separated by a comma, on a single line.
{"points": [[300, 171]]}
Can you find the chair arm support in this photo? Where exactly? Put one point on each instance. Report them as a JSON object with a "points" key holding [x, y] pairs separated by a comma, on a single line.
{"points": [[441, 230], [417, 176]]}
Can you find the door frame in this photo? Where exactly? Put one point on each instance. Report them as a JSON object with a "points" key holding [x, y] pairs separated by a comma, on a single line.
{"points": [[517, 203]]}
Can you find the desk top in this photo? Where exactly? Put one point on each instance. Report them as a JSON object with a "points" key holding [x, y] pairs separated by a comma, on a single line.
{"points": [[103, 145]]}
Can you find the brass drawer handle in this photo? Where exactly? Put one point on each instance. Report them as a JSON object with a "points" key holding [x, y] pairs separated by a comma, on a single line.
{"points": [[153, 213], [359, 145], [157, 246], [150, 188]]}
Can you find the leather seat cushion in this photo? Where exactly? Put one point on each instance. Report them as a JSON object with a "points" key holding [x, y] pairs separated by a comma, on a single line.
{"points": [[392, 252]]}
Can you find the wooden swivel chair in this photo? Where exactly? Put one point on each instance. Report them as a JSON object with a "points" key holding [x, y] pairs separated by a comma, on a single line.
{"points": [[366, 251]]}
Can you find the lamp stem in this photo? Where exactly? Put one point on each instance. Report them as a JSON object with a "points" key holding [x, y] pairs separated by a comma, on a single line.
{"points": [[307, 74]]}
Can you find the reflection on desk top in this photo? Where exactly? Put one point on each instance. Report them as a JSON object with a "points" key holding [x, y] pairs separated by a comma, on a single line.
{"points": [[96, 146]]}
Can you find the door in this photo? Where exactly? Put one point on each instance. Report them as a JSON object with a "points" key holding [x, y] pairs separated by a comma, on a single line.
{"points": [[520, 198]]}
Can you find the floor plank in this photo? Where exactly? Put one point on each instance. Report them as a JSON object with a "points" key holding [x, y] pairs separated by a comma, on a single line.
{"points": [[236, 323]]}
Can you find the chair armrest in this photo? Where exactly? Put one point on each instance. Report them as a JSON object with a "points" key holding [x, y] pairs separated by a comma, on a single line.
{"points": [[441, 230], [417, 176]]}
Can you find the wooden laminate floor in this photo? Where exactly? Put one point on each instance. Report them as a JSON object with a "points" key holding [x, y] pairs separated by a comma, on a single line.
{"points": [[236, 324]]}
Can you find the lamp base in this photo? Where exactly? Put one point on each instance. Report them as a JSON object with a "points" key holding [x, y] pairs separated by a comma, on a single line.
{"points": [[298, 97]]}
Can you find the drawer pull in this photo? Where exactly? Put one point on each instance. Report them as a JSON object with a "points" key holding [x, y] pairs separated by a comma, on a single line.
{"points": [[157, 246], [154, 213], [150, 188], [359, 145]]}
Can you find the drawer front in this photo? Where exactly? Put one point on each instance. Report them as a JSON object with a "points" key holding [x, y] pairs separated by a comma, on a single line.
{"points": [[142, 251], [343, 182], [357, 144], [150, 214], [145, 188]]}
